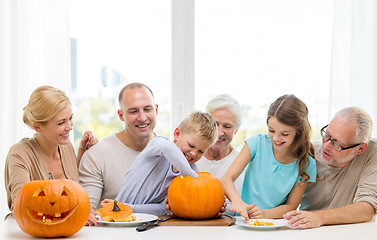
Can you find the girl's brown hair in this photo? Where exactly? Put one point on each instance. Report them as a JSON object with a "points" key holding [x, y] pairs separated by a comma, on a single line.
{"points": [[291, 111]]}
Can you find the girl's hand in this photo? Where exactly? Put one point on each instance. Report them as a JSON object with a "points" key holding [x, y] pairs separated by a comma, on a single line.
{"points": [[256, 212], [88, 140], [242, 208], [106, 201]]}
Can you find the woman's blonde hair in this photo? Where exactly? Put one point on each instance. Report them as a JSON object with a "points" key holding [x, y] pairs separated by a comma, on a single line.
{"points": [[44, 103], [202, 124], [291, 111]]}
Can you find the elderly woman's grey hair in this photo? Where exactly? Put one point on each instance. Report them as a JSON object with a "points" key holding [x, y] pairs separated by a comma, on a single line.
{"points": [[363, 120], [225, 101]]}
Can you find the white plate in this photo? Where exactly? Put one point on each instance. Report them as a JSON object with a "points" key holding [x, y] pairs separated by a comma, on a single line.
{"points": [[277, 223], [140, 219]]}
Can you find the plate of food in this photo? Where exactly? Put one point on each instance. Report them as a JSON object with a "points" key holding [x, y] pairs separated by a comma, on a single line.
{"points": [[262, 223], [117, 214], [136, 220]]}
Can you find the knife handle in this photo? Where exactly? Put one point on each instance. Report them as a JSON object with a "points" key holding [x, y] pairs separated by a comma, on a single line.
{"points": [[146, 226]]}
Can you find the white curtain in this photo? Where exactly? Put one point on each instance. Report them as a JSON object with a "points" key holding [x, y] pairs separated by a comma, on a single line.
{"points": [[354, 63], [34, 51]]}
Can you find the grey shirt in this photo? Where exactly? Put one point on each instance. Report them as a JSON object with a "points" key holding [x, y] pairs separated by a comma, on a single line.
{"points": [[102, 168], [337, 187], [146, 184]]}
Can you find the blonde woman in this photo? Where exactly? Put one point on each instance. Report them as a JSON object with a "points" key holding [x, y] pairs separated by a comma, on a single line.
{"points": [[49, 114]]}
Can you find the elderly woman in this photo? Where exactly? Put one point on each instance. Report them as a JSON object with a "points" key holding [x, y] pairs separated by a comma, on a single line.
{"points": [[49, 114], [227, 113]]}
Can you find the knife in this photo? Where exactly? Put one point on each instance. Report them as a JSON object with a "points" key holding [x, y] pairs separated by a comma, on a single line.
{"points": [[151, 224]]}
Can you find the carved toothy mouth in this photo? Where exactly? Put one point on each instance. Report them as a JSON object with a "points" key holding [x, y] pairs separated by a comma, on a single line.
{"points": [[46, 218]]}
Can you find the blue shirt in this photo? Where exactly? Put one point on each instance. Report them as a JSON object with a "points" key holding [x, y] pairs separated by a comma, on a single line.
{"points": [[146, 184], [268, 182]]}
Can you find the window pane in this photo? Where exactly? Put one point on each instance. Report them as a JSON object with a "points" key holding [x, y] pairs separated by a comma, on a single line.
{"points": [[113, 43], [259, 50]]}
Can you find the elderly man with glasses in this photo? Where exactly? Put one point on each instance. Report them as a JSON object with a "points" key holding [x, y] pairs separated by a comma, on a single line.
{"points": [[346, 187]]}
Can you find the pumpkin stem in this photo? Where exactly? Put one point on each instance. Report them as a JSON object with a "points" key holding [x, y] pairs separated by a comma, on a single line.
{"points": [[50, 176], [116, 207]]}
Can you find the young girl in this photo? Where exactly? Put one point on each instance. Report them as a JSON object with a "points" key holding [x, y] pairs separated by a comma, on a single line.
{"points": [[280, 164]]}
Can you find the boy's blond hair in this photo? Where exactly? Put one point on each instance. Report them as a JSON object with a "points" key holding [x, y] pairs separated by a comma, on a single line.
{"points": [[202, 124]]}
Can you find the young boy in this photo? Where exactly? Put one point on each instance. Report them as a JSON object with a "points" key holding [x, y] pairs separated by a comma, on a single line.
{"points": [[146, 184]]}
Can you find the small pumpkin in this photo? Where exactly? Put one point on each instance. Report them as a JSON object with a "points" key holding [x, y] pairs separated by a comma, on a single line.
{"points": [[116, 212], [196, 198], [51, 208]]}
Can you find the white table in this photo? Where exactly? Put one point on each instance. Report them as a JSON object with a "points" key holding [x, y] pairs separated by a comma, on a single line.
{"points": [[10, 230]]}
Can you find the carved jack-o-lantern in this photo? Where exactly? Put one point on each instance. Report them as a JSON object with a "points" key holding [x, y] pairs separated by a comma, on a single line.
{"points": [[51, 208]]}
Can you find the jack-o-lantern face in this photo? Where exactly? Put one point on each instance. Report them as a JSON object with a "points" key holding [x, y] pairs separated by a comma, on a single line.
{"points": [[51, 208]]}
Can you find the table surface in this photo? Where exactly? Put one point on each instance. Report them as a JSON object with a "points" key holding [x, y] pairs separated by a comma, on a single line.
{"points": [[10, 230]]}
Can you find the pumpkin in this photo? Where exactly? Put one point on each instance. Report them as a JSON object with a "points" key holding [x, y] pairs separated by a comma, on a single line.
{"points": [[196, 198], [51, 208], [116, 212]]}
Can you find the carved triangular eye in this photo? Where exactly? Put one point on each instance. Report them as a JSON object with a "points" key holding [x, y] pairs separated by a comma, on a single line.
{"points": [[39, 192], [65, 192]]}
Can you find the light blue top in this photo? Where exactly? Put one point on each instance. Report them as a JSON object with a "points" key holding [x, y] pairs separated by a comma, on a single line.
{"points": [[268, 182], [146, 184]]}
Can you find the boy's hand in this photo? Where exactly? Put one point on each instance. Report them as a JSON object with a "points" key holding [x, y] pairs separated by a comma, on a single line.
{"points": [[167, 206], [222, 210]]}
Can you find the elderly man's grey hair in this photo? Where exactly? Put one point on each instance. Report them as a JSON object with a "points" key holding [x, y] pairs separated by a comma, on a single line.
{"points": [[363, 120], [225, 101]]}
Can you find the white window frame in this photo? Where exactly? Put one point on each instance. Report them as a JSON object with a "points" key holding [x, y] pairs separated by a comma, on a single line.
{"points": [[183, 49]]}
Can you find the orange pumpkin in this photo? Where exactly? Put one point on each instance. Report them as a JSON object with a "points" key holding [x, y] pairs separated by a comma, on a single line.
{"points": [[196, 198], [116, 212], [51, 208]]}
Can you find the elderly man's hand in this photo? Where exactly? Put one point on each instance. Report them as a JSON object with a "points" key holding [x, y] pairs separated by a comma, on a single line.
{"points": [[303, 219]]}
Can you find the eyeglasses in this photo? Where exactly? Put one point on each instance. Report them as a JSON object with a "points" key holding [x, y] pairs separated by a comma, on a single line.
{"points": [[334, 143]]}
